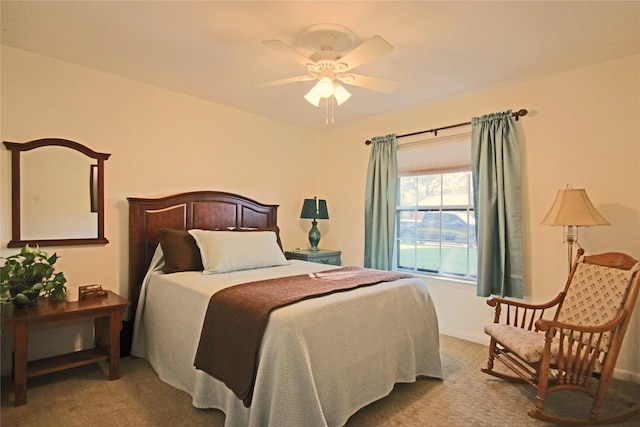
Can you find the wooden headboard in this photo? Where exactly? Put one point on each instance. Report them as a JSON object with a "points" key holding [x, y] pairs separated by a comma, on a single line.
{"points": [[207, 210]]}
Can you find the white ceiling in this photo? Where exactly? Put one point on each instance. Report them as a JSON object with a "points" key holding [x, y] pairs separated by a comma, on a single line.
{"points": [[212, 50]]}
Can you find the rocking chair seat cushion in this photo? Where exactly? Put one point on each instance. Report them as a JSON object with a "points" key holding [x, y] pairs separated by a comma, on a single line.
{"points": [[527, 345]]}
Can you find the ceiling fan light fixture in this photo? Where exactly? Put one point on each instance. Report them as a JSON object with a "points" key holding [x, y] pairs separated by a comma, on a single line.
{"points": [[313, 97], [324, 87], [341, 94], [334, 55]]}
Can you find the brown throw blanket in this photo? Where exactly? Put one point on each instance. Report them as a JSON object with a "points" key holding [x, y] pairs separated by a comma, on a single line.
{"points": [[237, 317]]}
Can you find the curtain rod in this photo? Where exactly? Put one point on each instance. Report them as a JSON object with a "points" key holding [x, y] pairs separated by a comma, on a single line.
{"points": [[516, 114]]}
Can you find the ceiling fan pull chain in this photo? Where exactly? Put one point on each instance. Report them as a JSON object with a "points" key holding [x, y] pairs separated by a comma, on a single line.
{"points": [[333, 105], [326, 111]]}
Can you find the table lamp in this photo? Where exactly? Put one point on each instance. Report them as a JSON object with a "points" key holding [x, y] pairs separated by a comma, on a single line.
{"points": [[314, 209]]}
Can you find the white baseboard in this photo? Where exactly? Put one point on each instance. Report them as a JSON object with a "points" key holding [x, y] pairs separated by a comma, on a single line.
{"points": [[626, 376]]}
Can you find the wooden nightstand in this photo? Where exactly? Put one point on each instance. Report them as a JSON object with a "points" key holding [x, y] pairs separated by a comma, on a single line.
{"points": [[321, 256], [107, 315]]}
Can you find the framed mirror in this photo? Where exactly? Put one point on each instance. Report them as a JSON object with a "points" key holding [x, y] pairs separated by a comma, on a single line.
{"points": [[57, 193]]}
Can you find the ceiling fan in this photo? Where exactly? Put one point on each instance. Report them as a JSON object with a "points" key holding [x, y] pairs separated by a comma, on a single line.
{"points": [[330, 65]]}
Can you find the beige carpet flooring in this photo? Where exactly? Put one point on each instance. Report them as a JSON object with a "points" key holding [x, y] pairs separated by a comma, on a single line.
{"points": [[84, 397]]}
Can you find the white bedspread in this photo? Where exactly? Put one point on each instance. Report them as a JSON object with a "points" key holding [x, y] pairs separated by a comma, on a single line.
{"points": [[321, 359]]}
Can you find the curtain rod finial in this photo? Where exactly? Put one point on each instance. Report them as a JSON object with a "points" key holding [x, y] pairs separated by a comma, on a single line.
{"points": [[520, 113]]}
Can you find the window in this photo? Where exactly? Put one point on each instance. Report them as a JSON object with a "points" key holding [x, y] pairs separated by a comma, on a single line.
{"points": [[435, 230]]}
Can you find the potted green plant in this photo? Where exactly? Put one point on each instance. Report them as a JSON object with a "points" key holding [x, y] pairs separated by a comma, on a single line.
{"points": [[29, 274]]}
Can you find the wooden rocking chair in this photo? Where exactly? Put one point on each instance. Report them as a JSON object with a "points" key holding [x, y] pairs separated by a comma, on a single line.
{"points": [[575, 346]]}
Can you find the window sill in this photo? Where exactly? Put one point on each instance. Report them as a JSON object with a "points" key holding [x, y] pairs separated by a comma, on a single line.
{"points": [[443, 280]]}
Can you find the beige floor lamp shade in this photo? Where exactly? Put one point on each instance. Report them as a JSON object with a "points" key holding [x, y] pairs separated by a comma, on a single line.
{"points": [[572, 208]]}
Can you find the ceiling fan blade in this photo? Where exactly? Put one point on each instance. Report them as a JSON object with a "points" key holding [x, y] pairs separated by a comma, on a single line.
{"points": [[288, 51], [373, 48], [284, 81], [368, 82]]}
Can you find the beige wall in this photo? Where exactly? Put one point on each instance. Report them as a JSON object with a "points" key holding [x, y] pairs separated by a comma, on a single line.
{"points": [[160, 142], [583, 129]]}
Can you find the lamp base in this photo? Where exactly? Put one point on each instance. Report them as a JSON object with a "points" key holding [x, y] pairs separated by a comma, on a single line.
{"points": [[314, 236]]}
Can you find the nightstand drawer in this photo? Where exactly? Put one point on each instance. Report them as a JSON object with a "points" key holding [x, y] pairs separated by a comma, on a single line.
{"points": [[326, 259], [321, 256]]}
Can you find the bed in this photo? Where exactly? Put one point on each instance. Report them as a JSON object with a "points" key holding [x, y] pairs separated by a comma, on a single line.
{"points": [[320, 360]]}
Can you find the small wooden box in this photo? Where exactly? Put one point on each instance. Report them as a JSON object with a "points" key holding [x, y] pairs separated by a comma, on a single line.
{"points": [[91, 291]]}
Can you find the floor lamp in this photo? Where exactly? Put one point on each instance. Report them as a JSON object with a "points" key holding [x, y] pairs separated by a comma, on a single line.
{"points": [[572, 208]]}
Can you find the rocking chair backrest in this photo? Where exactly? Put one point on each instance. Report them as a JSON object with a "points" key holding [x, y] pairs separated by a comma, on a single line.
{"points": [[599, 287]]}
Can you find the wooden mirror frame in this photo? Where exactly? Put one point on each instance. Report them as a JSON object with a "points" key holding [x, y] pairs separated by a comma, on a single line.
{"points": [[16, 148]]}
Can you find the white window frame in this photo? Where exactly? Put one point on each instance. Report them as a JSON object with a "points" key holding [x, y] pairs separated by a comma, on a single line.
{"points": [[443, 241]]}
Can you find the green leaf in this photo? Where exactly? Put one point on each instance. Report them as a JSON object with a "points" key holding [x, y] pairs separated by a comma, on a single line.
{"points": [[21, 298], [52, 259]]}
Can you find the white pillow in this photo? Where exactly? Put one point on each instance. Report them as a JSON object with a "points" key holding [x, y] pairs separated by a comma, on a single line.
{"points": [[225, 251]]}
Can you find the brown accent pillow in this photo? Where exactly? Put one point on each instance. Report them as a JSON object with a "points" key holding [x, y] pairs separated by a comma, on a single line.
{"points": [[180, 250], [275, 229]]}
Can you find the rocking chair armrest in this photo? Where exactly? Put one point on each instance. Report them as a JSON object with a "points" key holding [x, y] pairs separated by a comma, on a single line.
{"points": [[548, 324], [519, 313], [494, 301]]}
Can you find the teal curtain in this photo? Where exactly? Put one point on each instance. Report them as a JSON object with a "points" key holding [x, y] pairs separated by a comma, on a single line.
{"points": [[380, 203], [495, 162]]}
